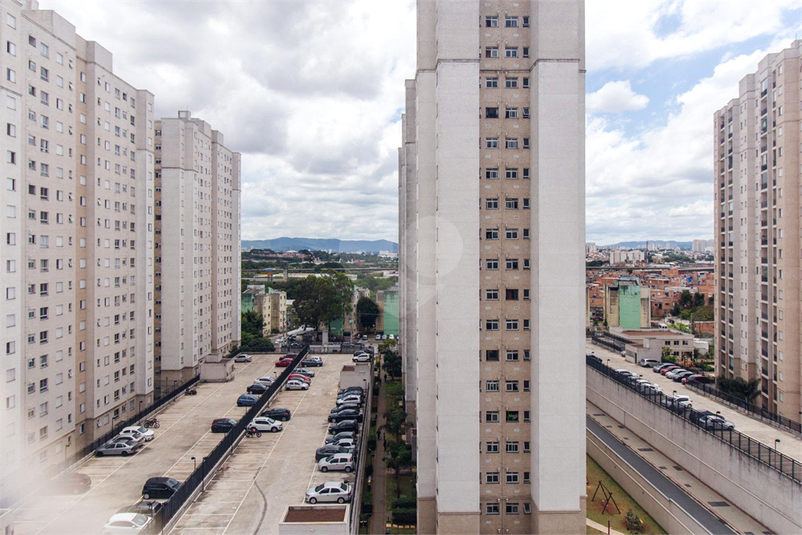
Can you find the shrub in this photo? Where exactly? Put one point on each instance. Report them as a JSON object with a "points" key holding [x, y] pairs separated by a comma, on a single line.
{"points": [[405, 516], [405, 504], [369, 468], [634, 523]]}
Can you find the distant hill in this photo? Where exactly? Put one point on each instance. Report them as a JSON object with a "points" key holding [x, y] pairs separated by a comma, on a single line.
{"points": [[322, 244], [684, 245]]}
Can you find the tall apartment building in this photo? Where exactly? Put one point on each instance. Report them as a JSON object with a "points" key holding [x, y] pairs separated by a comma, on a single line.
{"points": [[757, 226], [78, 230], [197, 244], [492, 237]]}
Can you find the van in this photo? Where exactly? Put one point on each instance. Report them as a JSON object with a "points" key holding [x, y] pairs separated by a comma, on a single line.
{"points": [[649, 363]]}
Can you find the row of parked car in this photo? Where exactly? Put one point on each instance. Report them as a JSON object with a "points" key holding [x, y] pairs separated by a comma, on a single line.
{"points": [[339, 453], [679, 374], [127, 442]]}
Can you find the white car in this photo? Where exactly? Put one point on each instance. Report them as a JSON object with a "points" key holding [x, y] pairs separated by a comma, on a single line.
{"points": [[338, 461], [681, 400], [267, 380], [345, 442], [295, 384], [378, 337], [330, 491], [263, 423], [128, 434], [391, 337], [673, 373], [362, 357], [243, 358], [148, 434], [355, 398], [127, 523]]}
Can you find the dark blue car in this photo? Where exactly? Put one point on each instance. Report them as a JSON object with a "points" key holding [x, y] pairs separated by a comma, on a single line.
{"points": [[247, 400]]}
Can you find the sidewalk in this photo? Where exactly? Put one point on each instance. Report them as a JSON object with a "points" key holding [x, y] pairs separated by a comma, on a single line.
{"points": [[603, 529], [379, 518]]}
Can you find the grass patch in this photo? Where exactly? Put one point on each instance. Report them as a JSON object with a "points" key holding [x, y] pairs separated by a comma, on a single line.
{"points": [[590, 531], [406, 485], [595, 473], [394, 389]]}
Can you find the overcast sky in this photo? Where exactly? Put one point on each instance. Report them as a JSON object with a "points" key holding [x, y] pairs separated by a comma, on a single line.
{"points": [[311, 93]]}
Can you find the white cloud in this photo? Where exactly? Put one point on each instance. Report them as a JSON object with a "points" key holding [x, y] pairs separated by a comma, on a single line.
{"points": [[615, 97]]}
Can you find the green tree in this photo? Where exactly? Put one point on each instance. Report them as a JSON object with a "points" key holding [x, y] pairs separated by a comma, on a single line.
{"points": [[321, 300], [252, 323], [685, 300], [367, 312]]}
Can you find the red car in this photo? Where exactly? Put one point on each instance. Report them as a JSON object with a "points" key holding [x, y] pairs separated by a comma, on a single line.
{"points": [[668, 369], [284, 362], [300, 377]]}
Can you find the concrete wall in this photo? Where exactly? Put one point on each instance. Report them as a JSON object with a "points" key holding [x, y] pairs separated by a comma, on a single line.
{"points": [[768, 496]]}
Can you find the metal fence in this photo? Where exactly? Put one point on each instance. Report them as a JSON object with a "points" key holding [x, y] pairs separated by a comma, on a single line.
{"points": [[362, 448], [751, 409], [606, 341], [207, 467], [763, 453]]}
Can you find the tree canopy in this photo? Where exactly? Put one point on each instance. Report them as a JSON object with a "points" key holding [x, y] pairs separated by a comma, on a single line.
{"points": [[367, 312], [321, 300]]}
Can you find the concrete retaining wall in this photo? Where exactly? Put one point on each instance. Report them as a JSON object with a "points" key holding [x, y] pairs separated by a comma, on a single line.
{"points": [[672, 518], [768, 496]]}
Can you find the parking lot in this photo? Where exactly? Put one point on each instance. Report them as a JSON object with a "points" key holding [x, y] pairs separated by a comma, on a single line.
{"points": [[790, 444], [184, 433], [263, 476]]}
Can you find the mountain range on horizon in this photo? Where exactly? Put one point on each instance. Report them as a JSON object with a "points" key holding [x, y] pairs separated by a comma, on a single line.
{"points": [[334, 245]]}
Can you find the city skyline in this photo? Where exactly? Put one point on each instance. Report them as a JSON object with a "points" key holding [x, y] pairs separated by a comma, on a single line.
{"points": [[656, 72]]}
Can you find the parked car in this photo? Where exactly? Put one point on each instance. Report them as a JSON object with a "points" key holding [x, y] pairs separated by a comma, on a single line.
{"points": [[679, 376], [127, 523], [699, 417], [351, 390], [347, 442], [715, 422], [257, 389], [304, 371], [300, 377], [346, 406], [343, 434], [147, 433], [72, 483], [337, 462], [329, 450], [648, 387], [378, 336], [672, 373], [330, 491], [348, 414], [242, 358], [263, 423], [391, 337], [658, 369], [278, 413], [247, 400], [295, 384], [283, 362], [698, 379], [362, 357], [671, 368], [266, 380], [649, 363], [312, 362], [130, 434], [159, 487], [593, 357], [223, 425], [343, 425], [123, 447], [356, 398]]}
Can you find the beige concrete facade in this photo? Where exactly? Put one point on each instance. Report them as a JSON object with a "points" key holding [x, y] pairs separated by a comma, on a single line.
{"points": [[78, 226], [520, 162], [197, 242], [757, 229]]}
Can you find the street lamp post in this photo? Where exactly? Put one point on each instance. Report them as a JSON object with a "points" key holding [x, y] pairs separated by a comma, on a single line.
{"points": [[194, 464]]}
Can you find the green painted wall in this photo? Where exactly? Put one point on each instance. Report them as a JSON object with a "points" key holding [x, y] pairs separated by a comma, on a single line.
{"points": [[391, 312], [246, 302], [629, 306]]}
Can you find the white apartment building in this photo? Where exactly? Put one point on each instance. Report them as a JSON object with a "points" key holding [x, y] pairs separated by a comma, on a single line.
{"points": [[619, 256], [492, 273], [757, 229], [197, 243], [78, 230]]}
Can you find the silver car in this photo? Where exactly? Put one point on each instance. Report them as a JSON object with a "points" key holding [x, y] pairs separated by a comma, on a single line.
{"points": [[338, 461], [330, 491], [120, 447], [242, 358]]}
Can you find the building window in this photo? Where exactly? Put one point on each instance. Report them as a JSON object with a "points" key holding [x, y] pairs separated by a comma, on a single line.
{"points": [[511, 294], [512, 416], [526, 142], [491, 21], [491, 52], [511, 83], [491, 295], [511, 174], [512, 508], [511, 204], [492, 447], [491, 142], [512, 447], [526, 112], [491, 416], [491, 113], [526, 325], [511, 264], [491, 234], [512, 479], [491, 83], [511, 325], [526, 22], [511, 234], [491, 386], [491, 478], [511, 142], [511, 113], [512, 386], [512, 355], [491, 355], [526, 386], [491, 508], [491, 204], [491, 325], [491, 174], [491, 264], [526, 51], [511, 52]]}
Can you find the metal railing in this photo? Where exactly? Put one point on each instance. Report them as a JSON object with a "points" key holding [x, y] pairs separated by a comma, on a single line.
{"points": [[745, 444], [207, 467], [749, 408]]}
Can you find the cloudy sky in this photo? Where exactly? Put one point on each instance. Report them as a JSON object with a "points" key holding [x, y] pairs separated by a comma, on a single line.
{"points": [[311, 92]]}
